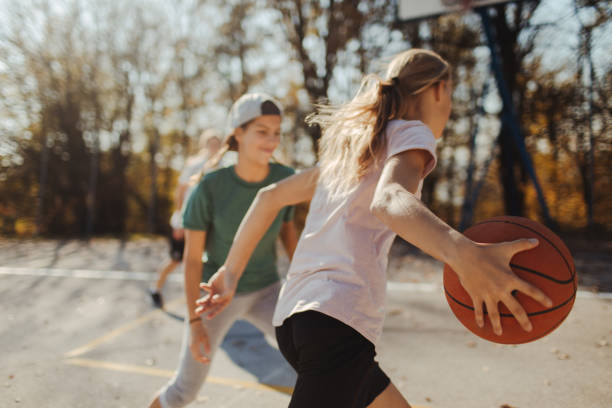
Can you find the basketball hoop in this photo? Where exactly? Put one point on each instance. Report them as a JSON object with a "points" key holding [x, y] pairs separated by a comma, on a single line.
{"points": [[418, 9], [464, 4], [413, 10]]}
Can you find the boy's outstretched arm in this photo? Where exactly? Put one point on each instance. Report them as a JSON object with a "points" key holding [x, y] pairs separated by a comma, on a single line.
{"points": [[262, 212], [195, 244], [484, 269]]}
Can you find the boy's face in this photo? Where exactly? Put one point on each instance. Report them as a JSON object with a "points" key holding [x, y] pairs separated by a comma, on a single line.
{"points": [[260, 138]]}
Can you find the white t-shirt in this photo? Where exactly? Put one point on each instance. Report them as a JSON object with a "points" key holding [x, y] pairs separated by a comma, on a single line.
{"points": [[193, 165], [340, 263]]}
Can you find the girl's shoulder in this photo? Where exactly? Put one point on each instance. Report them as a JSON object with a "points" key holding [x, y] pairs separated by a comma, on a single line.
{"points": [[409, 132], [407, 126]]}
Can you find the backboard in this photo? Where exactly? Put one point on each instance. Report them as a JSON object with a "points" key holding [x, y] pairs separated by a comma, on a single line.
{"points": [[417, 9]]}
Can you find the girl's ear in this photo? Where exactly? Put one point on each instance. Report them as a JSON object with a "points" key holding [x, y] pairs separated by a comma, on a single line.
{"points": [[439, 89], [238, 132]]}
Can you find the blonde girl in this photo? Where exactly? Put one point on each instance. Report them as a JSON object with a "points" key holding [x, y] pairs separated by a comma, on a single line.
{"points": [[375, 152]]}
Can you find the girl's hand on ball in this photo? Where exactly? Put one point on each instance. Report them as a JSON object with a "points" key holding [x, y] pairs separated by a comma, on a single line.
{"points": [[485, 273]]}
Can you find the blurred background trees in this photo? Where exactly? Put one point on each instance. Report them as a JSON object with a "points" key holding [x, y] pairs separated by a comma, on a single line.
{"points": [[101, 102]]}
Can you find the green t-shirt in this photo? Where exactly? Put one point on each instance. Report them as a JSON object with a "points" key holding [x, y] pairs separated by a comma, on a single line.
{"points": [[217, 206]]}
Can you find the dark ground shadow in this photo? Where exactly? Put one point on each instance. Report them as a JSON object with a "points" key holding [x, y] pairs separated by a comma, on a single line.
{"points": [[170, 314], [173, 315], [120, 262], [248, 348], [56, 252]]}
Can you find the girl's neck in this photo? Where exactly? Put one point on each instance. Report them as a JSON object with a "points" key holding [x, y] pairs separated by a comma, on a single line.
{"points": [[251, 172]]}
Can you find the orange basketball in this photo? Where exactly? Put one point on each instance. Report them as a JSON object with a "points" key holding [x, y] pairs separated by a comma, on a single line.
{"points": [[549, 266]]}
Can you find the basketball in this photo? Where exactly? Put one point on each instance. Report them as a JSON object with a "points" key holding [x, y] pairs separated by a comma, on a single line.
{"points": [[549, 267]]}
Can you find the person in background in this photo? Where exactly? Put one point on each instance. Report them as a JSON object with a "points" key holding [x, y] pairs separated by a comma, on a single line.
{"points": [[209, 145]]}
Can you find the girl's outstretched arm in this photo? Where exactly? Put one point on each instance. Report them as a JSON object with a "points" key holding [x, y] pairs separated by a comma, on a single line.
{"points": [[484, 269], [264, 209]]}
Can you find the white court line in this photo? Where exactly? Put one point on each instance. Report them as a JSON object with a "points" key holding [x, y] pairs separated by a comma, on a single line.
{"points": [[178, 277], [86, 274]]}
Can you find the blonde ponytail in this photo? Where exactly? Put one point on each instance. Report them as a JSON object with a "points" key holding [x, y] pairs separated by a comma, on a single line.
{"points": [[353, 134]]}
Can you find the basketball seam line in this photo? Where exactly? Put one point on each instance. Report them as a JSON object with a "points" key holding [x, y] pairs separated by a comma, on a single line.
{"points": [[561, 282], [510, 314], [572, 272]]}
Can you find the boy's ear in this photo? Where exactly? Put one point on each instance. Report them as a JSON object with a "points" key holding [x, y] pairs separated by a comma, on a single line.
{"points": [[238, 133]]}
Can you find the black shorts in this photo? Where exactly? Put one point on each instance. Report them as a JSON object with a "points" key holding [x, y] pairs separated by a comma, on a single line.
{"points": [[177, 246], [335, 364]]}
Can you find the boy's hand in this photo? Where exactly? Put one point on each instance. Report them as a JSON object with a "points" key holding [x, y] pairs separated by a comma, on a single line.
{"points": [[221, 289], [485, 273], [199, 341]]}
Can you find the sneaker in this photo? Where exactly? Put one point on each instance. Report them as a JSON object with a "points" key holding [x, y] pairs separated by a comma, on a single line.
{"points": [[156, 298]]}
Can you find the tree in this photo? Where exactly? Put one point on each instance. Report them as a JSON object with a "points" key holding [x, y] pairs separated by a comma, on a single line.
{"points": [[334, 26]]}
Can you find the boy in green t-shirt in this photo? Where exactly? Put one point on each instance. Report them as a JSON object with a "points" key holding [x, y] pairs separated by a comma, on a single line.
{"points": [[213, 213], [216, 206]]}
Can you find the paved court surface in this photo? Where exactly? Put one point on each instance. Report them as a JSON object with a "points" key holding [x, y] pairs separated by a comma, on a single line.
{"points": [[77, 330]]}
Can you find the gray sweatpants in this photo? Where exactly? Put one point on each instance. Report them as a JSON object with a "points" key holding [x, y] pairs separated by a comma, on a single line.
{"points": [[256, 307]]}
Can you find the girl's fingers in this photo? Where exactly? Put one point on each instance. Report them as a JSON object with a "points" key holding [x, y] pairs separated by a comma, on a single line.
{"points": [[202, 306], [533, 292], [216, 310], [523, 244], [493, 313], [214, 299], [211, 305], [212, 313], [206, 287], [219, 299], [519, 313], [478, 314], [203, 300]]}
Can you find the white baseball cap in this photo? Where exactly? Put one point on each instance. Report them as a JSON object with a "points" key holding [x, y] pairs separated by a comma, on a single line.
{"points": [[249, 107], [245, 109]]}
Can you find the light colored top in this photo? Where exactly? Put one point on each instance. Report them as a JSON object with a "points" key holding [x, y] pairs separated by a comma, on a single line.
{"points": [[340, 263], [193, 165]]}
